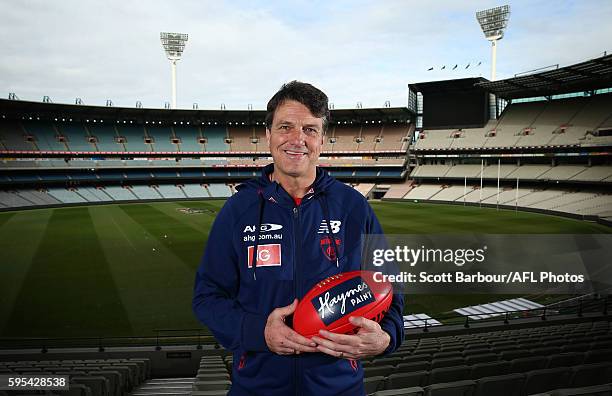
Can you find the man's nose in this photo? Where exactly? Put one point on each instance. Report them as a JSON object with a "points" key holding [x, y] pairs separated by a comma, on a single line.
{"points": [[297, 134]]}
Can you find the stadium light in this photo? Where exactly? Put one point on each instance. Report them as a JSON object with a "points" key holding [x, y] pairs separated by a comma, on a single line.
{"points": [[493, 22], [174, 44]]}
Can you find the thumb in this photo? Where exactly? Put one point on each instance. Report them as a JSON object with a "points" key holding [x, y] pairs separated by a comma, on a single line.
{"points": [[288, 309]]}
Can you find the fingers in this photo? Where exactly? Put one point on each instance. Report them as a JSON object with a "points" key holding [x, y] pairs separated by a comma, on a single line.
{"points": [[344, 339], [299, 347], [310, 347], [287, 310], [364, 323], [336, 353], [329, 345], [299, 339]]}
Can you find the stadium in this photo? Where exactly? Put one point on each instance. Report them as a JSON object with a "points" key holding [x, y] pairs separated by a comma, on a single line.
{"points": [[105, 210]]}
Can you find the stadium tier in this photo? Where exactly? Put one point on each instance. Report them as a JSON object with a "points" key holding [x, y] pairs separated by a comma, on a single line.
{"points": [[555, 146], [512, 172], [85, 133], [582, 203], [579, 122]]}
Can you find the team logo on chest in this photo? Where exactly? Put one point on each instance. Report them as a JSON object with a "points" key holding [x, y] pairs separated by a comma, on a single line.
{"points": [[327, 247]]}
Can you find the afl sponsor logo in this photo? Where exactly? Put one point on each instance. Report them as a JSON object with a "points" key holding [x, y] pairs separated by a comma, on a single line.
{"points": [[266, 227]]}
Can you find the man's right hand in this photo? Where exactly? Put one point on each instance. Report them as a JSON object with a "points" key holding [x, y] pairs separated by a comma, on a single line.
{"points": [[281, 338]]}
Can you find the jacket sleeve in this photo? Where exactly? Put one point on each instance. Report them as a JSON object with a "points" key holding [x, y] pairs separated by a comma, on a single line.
{"points": [[393, 322], [215, 302]]}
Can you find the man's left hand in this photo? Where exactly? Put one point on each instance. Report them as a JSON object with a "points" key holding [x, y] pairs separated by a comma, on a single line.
{"points": [[370, 340]]}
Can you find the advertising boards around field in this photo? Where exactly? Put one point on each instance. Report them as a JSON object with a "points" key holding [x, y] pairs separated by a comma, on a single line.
{"points": [[492, 263]]}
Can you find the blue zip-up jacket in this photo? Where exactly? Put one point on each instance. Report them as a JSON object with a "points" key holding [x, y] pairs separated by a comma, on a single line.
{"points": [[296, 249]]}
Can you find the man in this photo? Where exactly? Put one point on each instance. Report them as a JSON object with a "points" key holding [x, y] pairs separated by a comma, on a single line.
{"points": [[273, 241]]}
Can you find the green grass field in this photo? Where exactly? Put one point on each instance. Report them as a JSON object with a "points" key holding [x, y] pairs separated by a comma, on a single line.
{"points": [[126, 270]]}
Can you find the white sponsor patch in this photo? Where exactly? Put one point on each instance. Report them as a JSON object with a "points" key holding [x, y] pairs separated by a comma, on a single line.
{"points": [[335, 227], [266, 227]]}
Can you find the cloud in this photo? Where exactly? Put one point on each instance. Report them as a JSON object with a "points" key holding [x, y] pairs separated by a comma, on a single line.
{"points": [[240, 52]]}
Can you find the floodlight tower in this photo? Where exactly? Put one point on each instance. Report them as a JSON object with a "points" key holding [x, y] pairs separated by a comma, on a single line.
{"points": [[174, 44], [493, 22]]}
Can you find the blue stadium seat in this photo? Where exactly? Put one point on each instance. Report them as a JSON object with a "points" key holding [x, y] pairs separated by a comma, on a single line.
{"points": [[412, 366], [596, 390], [407, 379], [506, 385], [449, 374], [446, 362], [412, 391], [591, 374], [161, 138], [378, 370], [45, 135], [566, 359], [189, 137], [216, 139], [457, 388], [489, 369], [105, 134], [543, 380], [373, 384], [522, 365]]}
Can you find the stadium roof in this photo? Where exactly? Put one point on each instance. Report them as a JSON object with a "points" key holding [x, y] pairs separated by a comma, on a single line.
{"points": [[18, 109], [586, 76], [460, 84]]}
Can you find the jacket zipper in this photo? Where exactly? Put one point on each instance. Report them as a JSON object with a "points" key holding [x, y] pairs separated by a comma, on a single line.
{"points": [[296, 239]]}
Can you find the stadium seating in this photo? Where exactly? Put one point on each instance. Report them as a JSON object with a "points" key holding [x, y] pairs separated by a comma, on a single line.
{"points": [[398, 191], [219, 190], [498, 362], [241, 139], [76, 136], [189, 137], [394, 137], [195, 191], [563, 122], [170, 191], [216, 139], [512, 172], [12, 137], [161, 136], [46, 135], [94, 377], [568, 201], [106, 136], [134, 137]]}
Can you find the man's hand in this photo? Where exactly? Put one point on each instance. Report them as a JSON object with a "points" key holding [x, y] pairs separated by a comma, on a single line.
{"points": [[370, 340], [281, 338]]}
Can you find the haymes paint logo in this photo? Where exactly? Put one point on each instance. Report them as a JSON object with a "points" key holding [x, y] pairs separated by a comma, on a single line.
{"points": [[342, 299]]}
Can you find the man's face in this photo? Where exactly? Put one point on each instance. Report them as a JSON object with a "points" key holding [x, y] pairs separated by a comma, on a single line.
{"points": [[295, 139]]}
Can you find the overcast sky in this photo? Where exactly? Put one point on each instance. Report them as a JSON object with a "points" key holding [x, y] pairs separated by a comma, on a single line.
{"points": [[240, 52]]}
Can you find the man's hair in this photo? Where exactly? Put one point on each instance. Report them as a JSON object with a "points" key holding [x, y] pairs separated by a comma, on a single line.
{"points": [[308, 95]]}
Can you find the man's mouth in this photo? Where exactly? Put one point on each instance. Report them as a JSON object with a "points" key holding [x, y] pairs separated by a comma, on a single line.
{"points": [[295, 153]]}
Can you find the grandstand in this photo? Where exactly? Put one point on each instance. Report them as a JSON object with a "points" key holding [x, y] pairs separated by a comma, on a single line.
{"points": [[546, 145], [545, 148]]}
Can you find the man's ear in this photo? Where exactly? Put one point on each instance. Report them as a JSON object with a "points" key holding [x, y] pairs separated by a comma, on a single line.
{"points": [[268, 136]]}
